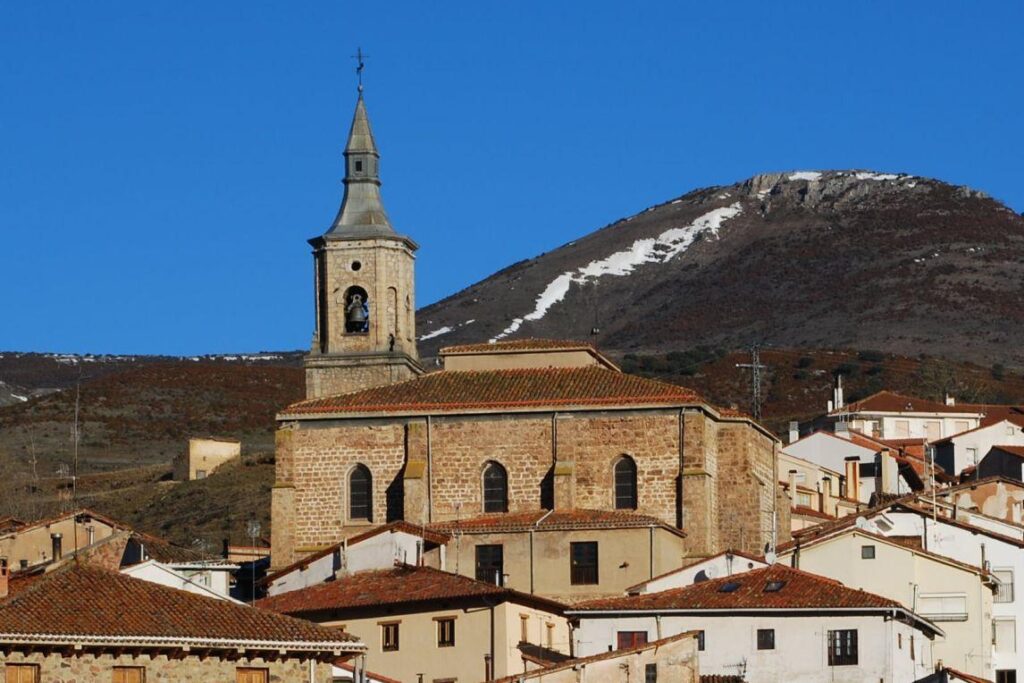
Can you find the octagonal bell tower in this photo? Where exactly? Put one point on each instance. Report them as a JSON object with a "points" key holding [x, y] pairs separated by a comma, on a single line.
{"points": [[363, 280]]}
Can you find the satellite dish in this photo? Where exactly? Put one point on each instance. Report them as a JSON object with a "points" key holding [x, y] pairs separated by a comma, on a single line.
{"points": [[711, 572], [770, 557], [862, 523]]}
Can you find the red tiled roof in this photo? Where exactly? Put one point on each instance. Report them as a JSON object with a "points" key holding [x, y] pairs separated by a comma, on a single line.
{"points": [[552, 520], [403, 584], [449, 390], [81, 601], [811, 512], [519, 345], [891, 402], [800, 590]]}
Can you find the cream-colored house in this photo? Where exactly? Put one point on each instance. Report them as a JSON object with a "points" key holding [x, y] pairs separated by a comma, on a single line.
{"points": [[204, 456], [817, 492], [30, 544], [956, 596], [420, 620]]}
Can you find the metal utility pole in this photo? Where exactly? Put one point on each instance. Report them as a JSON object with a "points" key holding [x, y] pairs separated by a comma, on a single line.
{"points": [[254, 532], [755, 368]]}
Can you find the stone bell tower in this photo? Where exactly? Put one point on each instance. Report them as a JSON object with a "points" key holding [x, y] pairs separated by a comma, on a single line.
{"points": [[363, 279]]}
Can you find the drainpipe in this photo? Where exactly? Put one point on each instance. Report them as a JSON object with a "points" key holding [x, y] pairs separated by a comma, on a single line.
{"points": [[650, 544], [531, 561]]}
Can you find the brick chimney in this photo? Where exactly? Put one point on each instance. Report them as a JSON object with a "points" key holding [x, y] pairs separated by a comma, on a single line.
{"points": [[853, 477]]}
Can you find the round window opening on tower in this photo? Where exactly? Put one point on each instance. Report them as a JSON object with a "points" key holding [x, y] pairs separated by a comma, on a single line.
{"points": [[356, 265]]}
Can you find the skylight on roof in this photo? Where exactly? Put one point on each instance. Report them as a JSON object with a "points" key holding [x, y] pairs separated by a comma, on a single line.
{"points": [[729, 587], [774, 586]]}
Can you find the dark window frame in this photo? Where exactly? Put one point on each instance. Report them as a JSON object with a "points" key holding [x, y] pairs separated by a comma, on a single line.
{"points": [[700, 641], [584, 561], [627, 640], [625, 476], [390, 637], [446, 632], [765, 639], [360, 494], [651, 673], [842, 647], [489, 576], [495, 487], [867, 552]]}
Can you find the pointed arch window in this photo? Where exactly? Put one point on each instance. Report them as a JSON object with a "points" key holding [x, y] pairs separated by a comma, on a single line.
{"points": [[625, 484], [360, 493], [495, 488]]}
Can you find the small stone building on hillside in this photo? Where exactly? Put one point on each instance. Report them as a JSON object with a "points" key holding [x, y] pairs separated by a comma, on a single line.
{"points": [[204, 456]]}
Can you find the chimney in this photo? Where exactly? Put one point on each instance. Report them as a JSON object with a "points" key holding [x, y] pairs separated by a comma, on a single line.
{"points": [[950, 401], [55, 543], [853, 477], [4, 576], [792, 488], [794, 431], [225, 548], [887, 472], [831, 406], [826, 495], [837, 393], [91, 530]]}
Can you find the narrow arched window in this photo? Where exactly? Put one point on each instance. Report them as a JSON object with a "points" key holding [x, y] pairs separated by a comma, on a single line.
{"points": [[495, 488], [360, 493], [625, 484]]}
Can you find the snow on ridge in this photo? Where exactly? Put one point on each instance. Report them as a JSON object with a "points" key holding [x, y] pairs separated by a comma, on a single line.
{"points": [[660, 249], [437, 333], [805, 175], [877, 176]]}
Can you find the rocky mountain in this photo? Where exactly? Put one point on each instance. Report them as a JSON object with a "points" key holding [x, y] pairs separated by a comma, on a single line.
{"points": [[831, 259]]}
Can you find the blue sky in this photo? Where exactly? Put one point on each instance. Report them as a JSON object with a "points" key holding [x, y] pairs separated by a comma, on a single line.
{"points": [[162, 164]]}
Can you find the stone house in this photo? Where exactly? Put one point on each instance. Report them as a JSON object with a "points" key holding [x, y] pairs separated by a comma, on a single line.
{"points": [[768, 625], [203, 456], [420, 620], [81, 623]]}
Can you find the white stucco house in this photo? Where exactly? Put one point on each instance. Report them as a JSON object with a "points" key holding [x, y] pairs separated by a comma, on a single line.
{"points": [[888, 415], [771, 624], [960, 451], [717, 566]]}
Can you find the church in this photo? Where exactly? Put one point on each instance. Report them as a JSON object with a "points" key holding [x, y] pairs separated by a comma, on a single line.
{"points": [[500, 436]]}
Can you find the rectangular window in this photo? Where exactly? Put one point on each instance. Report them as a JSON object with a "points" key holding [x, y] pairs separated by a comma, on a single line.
{"points": [[129, 674], [972, 456], [551, 636], [1006, 676], [250, 675], [1004, 591], [933, 430], [627, 640], [842, 647], [700, 641], [765, 639], [490, 564], [22, 673], [446, 633], [1004, 633], [651, 673], [200, 474], [389, 637], [524, 624], [942, 606], [961, 426], [902, 428], [803, 499], [583, 563], [867, 552]]}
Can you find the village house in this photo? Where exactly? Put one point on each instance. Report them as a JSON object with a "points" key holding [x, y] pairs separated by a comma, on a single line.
{"points": [[725, 563], [203, 456], [956, 595], [420, 620], [670, 660], [888, 415], [998, 497], [26, 544], [1002, 461], [768, 625], [84, 623], [512, 427], [818, 493], [958, 452]]}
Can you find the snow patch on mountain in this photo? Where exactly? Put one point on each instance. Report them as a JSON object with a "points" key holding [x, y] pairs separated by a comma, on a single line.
{"points": [[805, 175], [660, 249]]}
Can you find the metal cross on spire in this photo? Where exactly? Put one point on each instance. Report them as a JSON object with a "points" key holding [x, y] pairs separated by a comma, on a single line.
{"points": [[360, 65]]}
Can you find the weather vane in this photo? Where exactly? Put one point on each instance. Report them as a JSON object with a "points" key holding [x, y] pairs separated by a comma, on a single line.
{"points": [[359, 56]]}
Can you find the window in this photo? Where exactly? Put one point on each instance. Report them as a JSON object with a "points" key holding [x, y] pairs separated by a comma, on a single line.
{"points": [[803, 499], [1004, 591], [446, 632], [651, 673], [700, 641], [583, 563], [625, 484], [360, 493], [867, 552], [933, 430], [389, 637], [495, 488], [200, 474], [490, 563], [902, 428], [842, 647], [942, 606], [551, 635], [22, 673], [1006, 676], [765, 639], [961, 426], [250, 675], [627, 640], [972, 456], [357, 311], [1004, 635], [129, 674], [524, 628], [359, 165]]}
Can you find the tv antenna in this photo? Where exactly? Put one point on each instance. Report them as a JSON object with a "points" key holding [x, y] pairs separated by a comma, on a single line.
{"points": [[756, 369], [360, 65]]}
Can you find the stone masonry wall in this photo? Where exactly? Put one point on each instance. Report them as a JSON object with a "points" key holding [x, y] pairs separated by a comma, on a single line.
{"points": [[746, 486], [84, 666]]}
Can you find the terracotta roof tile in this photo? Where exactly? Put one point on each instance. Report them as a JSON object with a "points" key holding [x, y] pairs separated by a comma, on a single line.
{"points": [[891, 402], [403, 584], [81, 600], [520, 345], [449, 391], [799, 590], [553, 520]]}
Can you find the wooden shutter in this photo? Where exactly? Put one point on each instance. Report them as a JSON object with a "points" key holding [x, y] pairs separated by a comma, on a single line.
{"points": [[251, 676], [129, 674], [22, 673]]}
